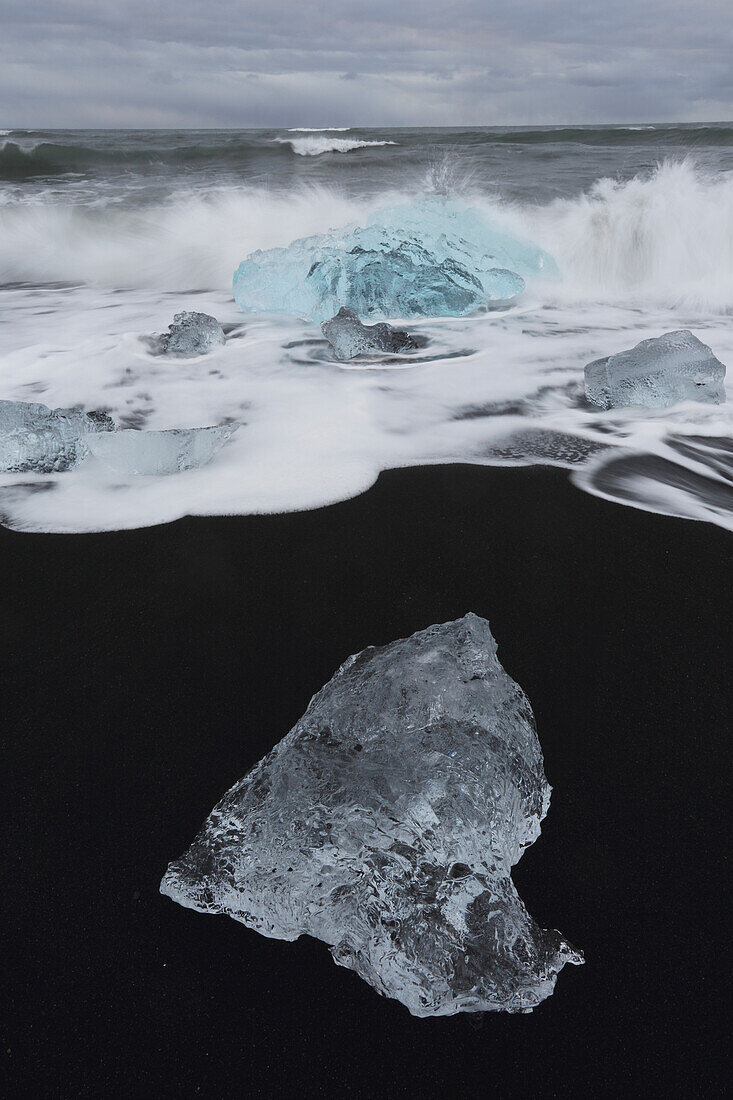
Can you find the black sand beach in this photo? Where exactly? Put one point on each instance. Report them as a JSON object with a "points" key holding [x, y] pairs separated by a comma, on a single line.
{"points": [[146, 671]]}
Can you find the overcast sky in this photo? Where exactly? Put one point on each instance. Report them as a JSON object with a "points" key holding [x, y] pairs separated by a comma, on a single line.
{"points": [[373, 62]]}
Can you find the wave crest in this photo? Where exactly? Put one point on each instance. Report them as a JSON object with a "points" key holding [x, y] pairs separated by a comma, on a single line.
{"points": [[315, 146], [665, 237]]}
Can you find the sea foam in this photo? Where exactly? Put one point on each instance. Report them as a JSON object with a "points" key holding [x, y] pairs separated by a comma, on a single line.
{"points": [[635, 259]]}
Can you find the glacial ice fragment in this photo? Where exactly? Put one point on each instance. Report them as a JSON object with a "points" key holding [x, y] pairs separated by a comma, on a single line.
{"points": [[657, 373], [501, 285], [192, 334], [46, 441], [367, 269], [470, 236], [386, 823], [349, 337], [428, 259], [132, 452]]}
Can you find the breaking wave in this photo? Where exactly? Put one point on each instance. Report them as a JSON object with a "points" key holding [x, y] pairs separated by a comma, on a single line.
{"points": [[665, 237], [35, 158], [194, 239], [315, 146], [32, 157]]}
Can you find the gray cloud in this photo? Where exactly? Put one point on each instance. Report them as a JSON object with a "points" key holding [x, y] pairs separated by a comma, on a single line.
{"points": [[286, 62]]}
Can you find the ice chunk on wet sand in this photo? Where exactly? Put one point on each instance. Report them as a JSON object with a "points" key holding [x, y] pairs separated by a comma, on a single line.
{"points": [[349, 337], [36, 438], [657, 373], [192, 334], [386, 823], [132, 452]]}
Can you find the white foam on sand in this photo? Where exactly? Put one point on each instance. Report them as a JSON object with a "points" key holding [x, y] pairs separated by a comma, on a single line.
{"points": [[500, 388]]}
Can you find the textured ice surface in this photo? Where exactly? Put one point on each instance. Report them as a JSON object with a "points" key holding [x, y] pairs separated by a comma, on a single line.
{"points": [[657, 373], [192, 334], [36, 438], [386, 823], [349, 337], [466, 234], [367, 270], [167, 452], [430, 259], [42, 440]]}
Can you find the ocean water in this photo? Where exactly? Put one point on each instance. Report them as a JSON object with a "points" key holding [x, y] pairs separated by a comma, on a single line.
{"points": [[105, 235]]}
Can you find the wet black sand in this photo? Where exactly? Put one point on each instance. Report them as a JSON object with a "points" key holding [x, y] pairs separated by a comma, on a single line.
{"points": [[144, 672]]}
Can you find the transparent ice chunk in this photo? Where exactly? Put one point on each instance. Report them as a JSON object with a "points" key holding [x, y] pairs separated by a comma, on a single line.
{"points": [[450, 228], [36, 438], [368, 270], [132, 452], [427, 259], [386, 823], [501, 285], [192, 334], [657, 373], [349, 337]]}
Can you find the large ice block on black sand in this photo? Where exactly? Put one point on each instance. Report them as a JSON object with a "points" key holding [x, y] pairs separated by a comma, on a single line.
{"points": [[386, 823], [46, 441], [657, 373]]}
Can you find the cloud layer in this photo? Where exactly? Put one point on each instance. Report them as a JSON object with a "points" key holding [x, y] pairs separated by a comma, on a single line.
{"points": [[412, 62]]}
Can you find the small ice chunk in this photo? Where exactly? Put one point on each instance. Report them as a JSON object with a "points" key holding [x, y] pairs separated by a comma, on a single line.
{"points": [[349, 337], [132, 452], [46, 441], [386, 823], [657, 373], [192, 334]]}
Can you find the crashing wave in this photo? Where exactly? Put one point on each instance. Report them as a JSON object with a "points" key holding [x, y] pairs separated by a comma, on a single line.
{"points": [[315, 146], [664, 236]]}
